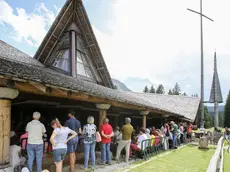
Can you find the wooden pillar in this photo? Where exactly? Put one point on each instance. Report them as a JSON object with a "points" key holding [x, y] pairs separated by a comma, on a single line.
{"points": [[102, 116], [144, 121], [6, 95], [144, 114], [102, 113]]}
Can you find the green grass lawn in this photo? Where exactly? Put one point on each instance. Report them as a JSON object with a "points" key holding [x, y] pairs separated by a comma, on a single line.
{"points": [[226, 161], [187, 159]]}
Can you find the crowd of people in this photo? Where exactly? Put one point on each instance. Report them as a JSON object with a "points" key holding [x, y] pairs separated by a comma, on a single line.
{"points": [[65, 138]]}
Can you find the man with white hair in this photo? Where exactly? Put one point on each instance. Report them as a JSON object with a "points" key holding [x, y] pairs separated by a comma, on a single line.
{"points": [[127, 131], [35, 131]]}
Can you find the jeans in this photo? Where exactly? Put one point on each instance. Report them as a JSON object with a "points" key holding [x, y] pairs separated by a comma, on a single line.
{"points": [[105, 153], [35, 150], [174, 141], [89, 148]]}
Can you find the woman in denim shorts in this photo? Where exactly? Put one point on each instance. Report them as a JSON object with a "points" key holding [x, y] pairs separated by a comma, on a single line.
{"points": [[59, 141]]}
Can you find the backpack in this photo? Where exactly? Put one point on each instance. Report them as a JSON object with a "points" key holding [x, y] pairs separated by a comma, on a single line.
{"points": [[98, 137]]}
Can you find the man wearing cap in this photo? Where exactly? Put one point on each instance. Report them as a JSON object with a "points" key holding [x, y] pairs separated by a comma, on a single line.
{"points": [[35, 131]]}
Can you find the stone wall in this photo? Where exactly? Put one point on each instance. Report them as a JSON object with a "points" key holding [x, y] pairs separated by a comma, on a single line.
{"points": [[216, 162]]}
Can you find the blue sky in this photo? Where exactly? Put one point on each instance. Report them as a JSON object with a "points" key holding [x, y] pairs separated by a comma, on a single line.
{"points": [[97, 16], [157, 40]]}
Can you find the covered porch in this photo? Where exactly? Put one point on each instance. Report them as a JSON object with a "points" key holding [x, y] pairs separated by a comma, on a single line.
{"points": [[20, 98]]}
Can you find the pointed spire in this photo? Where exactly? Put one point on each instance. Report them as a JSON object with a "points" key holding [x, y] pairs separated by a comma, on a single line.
{"points": [[216, 94], [215, 63]]}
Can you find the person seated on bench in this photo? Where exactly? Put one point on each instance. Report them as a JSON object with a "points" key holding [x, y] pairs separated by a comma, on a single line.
{"points": [[137, 147], [147, 131], [15, 156]]}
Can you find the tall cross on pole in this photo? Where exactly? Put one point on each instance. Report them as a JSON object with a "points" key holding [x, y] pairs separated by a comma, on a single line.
{"points": [[202, 61]]}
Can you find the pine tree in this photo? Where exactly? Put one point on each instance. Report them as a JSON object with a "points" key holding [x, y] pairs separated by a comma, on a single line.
{"points": [[146, 89], [227, 112], [184, 94], [160, 89], [221, 119], [115, 87], [170, 92], [152, 89], [176, 89], [207, 118]]}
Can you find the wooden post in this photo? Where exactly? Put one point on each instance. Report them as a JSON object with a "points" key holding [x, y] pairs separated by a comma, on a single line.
{"points": [[144, 121], [5, 108], [6, 95], [144, 114], [102, 114]]}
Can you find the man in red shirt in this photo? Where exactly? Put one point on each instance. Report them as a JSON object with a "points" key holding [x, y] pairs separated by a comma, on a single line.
{"points": [[106, 135]]}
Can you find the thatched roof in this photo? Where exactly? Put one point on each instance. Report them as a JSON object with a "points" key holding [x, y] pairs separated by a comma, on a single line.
{"points": [[74, 11], [11, 53], [19, 65]]}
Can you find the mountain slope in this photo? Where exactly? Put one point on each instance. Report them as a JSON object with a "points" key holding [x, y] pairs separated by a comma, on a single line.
{"points": [[120, 85], [137, 84], [211, 108]]}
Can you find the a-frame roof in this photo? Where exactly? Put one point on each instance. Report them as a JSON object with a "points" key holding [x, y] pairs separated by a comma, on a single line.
{"points": [[74, 11]]}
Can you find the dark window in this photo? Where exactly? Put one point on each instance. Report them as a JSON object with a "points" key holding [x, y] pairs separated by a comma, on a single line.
{"points": [[62, 60]]}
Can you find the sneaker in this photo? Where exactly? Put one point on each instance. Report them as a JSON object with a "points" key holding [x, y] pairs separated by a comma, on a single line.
{"points": [[83, 168], [101, 163], [109, 163]]}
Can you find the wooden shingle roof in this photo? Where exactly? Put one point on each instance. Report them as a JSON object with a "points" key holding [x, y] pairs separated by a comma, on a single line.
{"points": [[29, 69]]}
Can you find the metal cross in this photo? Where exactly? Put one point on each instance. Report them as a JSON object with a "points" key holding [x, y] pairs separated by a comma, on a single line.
{"points": [[202, 61]]}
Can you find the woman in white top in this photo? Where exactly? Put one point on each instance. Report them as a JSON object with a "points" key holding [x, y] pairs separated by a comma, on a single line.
{"points": [[58, 140]]}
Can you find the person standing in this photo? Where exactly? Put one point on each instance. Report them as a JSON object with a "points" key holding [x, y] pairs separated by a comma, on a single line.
{"points": [[106, 135], [189, 132], [35, 131], [59, 140], [174, 129], [75, 125], [127, 131], [89, 133]]}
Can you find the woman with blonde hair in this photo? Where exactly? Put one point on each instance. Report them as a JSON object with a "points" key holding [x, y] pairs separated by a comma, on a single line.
{"points": [[89, 133], [59, 139]]}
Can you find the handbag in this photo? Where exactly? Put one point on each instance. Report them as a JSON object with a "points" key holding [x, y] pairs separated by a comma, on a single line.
{"points": [[98, 137]]}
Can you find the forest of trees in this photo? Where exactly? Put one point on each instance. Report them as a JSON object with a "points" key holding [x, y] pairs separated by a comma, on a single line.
{"points": [[224, 117], [227, 112], [176, 90]]}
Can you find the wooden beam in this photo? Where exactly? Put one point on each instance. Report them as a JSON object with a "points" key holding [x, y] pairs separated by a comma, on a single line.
{"points": [[27, 87], [56, 37], [55, 43], [39, 86], [53, 31]]}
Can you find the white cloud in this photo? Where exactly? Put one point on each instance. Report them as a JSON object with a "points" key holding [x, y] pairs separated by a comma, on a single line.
{"points": [[29, 27], [160, 40]]}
